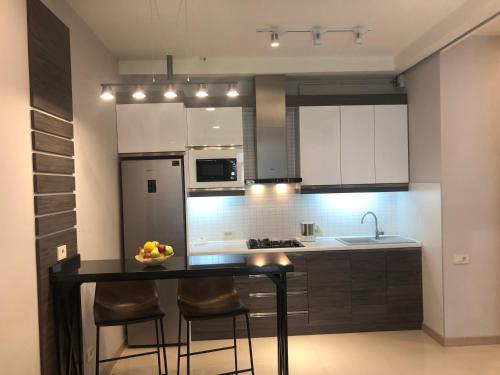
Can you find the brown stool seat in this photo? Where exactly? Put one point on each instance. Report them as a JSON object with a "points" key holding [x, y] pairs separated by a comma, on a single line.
{"points": [[107, 317], [210, 298], [216, 308], [128, 301]]}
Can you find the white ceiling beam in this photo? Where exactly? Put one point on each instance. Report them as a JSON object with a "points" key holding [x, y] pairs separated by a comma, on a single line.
{"points": [[262, 65], [465, 18]]}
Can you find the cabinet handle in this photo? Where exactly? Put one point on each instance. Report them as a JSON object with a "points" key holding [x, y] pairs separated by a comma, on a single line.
{"points": [[273, 294], [273, 314]]}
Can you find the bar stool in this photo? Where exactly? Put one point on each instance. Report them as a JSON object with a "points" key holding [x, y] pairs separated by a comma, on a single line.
{"points": [[206, 299], [128, 302]]}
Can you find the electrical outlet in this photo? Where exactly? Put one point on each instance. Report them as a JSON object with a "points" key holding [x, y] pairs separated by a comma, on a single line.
{"points": [[90, 354], [61, 252], [228, 234], [461, 259]]}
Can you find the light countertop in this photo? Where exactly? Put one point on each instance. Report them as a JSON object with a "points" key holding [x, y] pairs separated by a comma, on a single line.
{"points": [[321, 244]]}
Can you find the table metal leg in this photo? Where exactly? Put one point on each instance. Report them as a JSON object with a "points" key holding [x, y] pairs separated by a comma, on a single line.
{"points": [[282, 322]]}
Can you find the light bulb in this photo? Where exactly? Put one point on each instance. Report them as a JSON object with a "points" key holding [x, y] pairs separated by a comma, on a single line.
{"points": [[107, 93], [202, 91], [170, 93], [232, 92], [139, 93], [275, 39]]}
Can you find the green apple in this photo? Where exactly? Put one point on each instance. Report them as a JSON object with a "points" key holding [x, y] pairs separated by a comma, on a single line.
{"points": [[169, 250]]}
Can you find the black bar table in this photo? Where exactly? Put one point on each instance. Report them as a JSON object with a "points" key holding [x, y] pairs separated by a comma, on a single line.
{"points": [[68, 275]]}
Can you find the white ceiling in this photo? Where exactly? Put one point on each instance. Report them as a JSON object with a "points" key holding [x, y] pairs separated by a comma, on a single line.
{"points": [[226, 28]]}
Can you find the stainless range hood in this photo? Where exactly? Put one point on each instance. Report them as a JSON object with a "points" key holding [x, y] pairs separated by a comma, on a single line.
{"points": [[271, 132]]}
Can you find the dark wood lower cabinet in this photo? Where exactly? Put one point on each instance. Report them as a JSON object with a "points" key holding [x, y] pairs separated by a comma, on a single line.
{"points": [[329, 292]]}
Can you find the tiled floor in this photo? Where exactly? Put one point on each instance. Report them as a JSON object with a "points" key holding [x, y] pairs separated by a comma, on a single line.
{"points": [[399, 353]]}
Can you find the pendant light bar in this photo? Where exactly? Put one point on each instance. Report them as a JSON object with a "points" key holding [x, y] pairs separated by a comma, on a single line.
{"points": [[316, 31]]}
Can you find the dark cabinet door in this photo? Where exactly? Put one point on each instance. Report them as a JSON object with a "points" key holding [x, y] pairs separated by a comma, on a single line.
{"points": [[404, 285], [368, 288], [329, 287]]}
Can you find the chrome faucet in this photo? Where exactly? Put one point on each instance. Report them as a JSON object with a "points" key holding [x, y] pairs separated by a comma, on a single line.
{"points": [[377, 232]]}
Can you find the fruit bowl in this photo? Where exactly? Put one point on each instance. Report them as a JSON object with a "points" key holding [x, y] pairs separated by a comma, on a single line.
{"points": [[154, 253], [153, 261]]}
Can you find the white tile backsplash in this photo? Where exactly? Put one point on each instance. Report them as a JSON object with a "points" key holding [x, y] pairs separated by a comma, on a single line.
{"points": [[278, 215]]}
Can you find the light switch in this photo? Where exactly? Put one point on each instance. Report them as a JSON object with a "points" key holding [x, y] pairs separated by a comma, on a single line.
{"points": [[61, 252], [461, 259]]}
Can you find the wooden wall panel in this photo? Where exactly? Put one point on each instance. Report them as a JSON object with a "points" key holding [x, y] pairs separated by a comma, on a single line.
{"points": [[47, 246], [46, 204], [48, 143], [52, 125], [50, 91], [53, 184], [49, 62], [54, 223], [52, 164]]}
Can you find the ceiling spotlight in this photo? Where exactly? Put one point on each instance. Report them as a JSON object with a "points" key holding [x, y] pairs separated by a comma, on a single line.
{"points": [[359, 33], [170, 93], [317, 37], [139, 93], [358, 37], [233, 91], [107, 93], [210, 109], [202, 91], [275, 39]]}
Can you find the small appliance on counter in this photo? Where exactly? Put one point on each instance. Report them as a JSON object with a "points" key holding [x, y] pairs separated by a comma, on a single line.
{"points": [[266, 243], [307, 231]]}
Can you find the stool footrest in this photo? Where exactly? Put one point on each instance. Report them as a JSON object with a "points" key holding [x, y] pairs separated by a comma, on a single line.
{"points": [[236, 372], [126, 357], [208, 351]]}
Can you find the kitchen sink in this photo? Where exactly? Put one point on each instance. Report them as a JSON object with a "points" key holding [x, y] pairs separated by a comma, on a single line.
{"points": [[373, 240]]}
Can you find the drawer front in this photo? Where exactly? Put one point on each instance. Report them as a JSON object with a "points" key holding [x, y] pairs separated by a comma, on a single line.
{"points": [[296, 281], [266, 302], [264, 324]]}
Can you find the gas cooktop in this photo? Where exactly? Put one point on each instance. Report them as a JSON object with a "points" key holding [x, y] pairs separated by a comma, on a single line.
{"points": [[266, 243]]}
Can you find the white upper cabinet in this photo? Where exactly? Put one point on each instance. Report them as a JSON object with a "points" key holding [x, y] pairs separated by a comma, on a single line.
{"points": [[391, 144], [158, 127], [320, 145], [357, 144], [222, 126]]}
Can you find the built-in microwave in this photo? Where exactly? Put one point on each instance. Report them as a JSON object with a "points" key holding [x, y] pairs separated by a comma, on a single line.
{"points": [[216, 168]]}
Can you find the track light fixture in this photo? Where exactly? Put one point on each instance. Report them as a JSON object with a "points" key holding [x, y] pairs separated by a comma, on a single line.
{"points": [[170, 93], [233, 91], [316, 31], [139, 93], [275, 39], [107, 93], [202, 91]]}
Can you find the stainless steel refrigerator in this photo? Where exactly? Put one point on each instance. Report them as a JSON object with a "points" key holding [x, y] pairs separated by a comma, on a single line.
{"points": [[153, 209]]}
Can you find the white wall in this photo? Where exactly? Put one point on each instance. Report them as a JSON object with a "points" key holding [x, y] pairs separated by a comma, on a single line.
{"points": [[419, 210], [419, 216], [470, 113], [424, 114], [19, 350], [96, 163]]}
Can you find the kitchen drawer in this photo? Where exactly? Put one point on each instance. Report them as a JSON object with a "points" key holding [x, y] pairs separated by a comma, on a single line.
{"points": [[296, 281], [264, 324], [299, 261], [266, 302]]}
